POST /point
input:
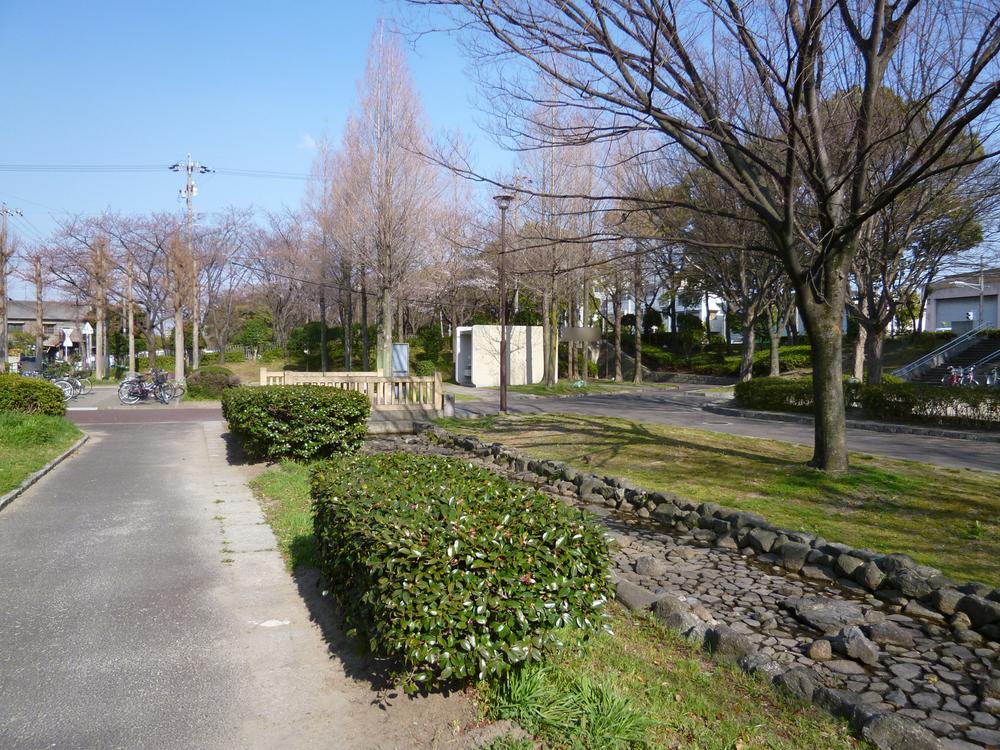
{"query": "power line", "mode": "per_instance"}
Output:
(143, 168)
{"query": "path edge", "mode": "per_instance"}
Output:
(7, 499)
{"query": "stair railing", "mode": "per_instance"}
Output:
(988, 359)
(939, 355)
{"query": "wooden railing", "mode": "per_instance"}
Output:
(383, 392)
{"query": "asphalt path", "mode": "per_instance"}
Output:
(682, 406)
(143, 605)
(102, 407)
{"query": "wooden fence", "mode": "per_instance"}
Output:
(384, 393)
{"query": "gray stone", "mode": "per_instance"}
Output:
(820, 650)
(684, 622)
(818, 573)
(926, 701)
(905, 670)
(760, 664)
(761, 539)
(846, 565)
(826, 615)
(909, 583)
(634, 597)
(891, 563)
(725, 642)
(980, 611)
(853, 643)
(889, 633)
(793, 556)
(890, 731)
(800, 681)
(726, 541)
(845, 667)
(651, 566)
(990, 688)
(869, 575)
(840, 703)
(988, 737)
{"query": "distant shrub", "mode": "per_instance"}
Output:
(210, 381)
(30, 396)
(451, 569)
(424, 367)
(297, 421)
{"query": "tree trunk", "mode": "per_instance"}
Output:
(747, 350)
(347, 321)
(100, 363)
(774, 337)
(546, 325)
(823, 324)
(858, 363)
(39, 313)
(553, 342)
(873, 355)
(637, 296)
(616, 302)
(3, 302)
(365, 343)
(324, 354)
(195, 314)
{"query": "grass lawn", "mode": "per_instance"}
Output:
(643, 678)
(28, 442)
(949, 518)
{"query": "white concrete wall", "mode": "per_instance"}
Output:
(524, 355)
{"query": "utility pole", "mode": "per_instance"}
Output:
(503, 203)
(188, 193)
(5, 255)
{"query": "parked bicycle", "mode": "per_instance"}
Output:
(969, 376)
(70, 387)
(954, 376)
(993, 379)
(136, 388)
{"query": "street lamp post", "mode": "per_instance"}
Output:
(503, 202)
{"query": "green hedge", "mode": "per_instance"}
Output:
(30, 396)
(890, 401)
(297, 421)
(424, 368)
(211, 382)
(452, 570)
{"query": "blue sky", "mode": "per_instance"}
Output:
(242, 85)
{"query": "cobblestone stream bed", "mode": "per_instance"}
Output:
(831, 641)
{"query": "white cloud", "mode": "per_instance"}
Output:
(307, 142)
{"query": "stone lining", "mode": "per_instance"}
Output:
(908, 656)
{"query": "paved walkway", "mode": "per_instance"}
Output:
(144, 606)
(682, 407)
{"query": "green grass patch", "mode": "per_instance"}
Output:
(589, 388)
(28, 442)
(945, 517)
(283, 492)
(645, 686)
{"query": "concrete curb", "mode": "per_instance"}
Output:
(7, 499)
(857, 424)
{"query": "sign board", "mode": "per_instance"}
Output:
(87, 330)
(67, 341)
(400, 360)
(588, 334)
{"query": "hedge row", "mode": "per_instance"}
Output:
(297, 421)
(30, 396)
(452, 570)
(891, 402)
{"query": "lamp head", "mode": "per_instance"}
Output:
(503, 200)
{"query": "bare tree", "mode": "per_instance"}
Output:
(743, 90)
(7, 249)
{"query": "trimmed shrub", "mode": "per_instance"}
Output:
(424, 368)
(891, 401)
(454, 571)
(30, 396)
(210, 381)
(297, 421)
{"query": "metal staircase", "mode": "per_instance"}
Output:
(961, 351)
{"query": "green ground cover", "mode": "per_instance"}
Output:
(589, 388)
(647, 687)
(946, 517)
(28, 442)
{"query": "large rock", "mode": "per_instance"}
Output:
(826, 615)
(891, 634)
(895, 732)
(634, 597)
(675, 613)
(800, 681)
(761, 540)
(891, 563)
(840, 703)
(944, 600)
(869, 575)
(852, 643)
(793, 556)
(909, 583)
(652, 567)
(980, 611)
(761, 665)
(726, 643)
(845, 565)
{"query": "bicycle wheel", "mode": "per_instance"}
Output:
(178, 390)
(66, 387)
(77, 387)
(127, 394)
(163, 394)
(86, 386)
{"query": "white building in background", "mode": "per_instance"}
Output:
(957, 299)
(477, 355)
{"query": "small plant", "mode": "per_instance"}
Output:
(210, 382)
(454, 571)
(297, 421)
